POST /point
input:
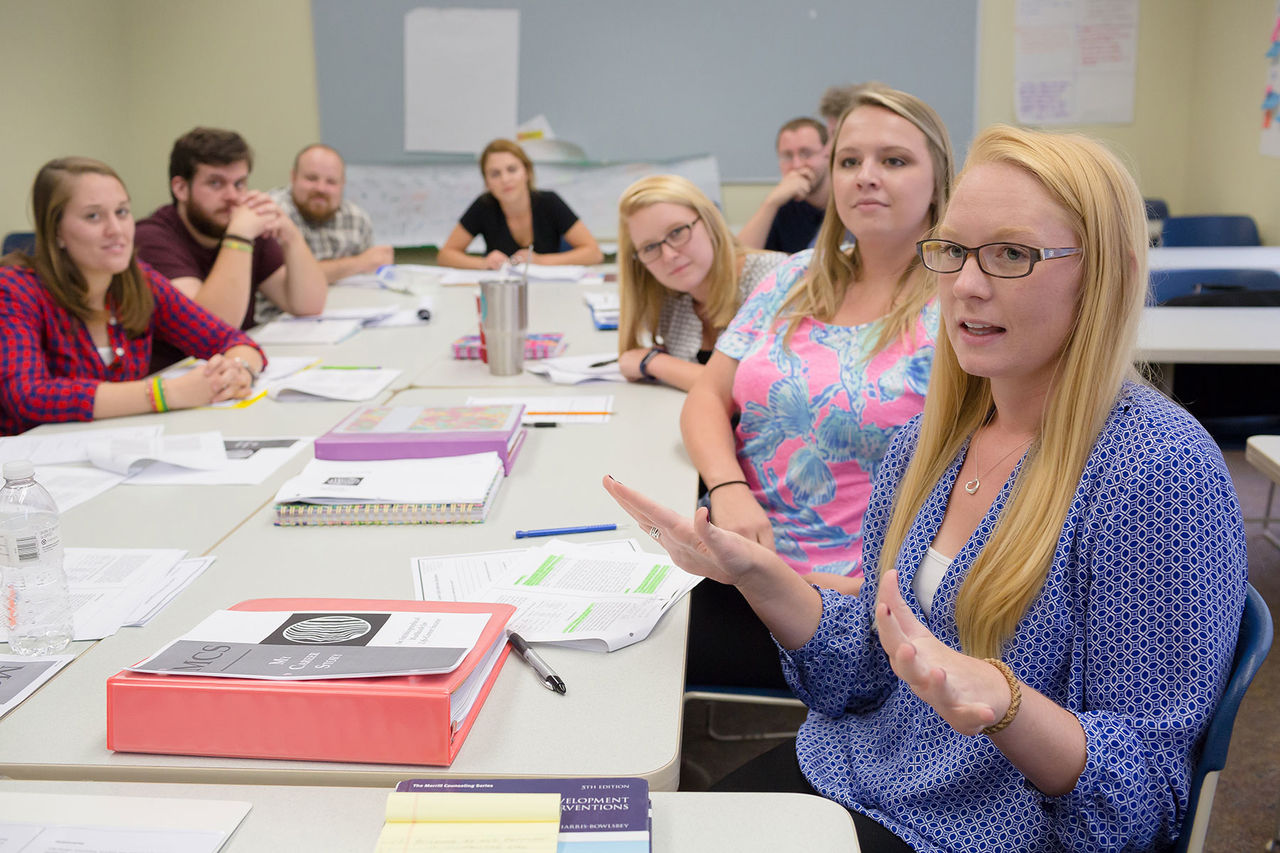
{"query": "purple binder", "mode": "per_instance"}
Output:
(424, 432)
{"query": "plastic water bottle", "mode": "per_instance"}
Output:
(34, 601)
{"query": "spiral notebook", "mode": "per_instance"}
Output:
(443, 490)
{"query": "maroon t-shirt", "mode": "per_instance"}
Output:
(165, 243)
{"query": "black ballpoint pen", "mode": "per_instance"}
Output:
(603, 363)
(546, 673)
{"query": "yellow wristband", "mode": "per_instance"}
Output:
(158, 390)
(237, 243)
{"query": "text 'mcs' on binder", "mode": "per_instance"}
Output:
(423, 432)
(404, 719)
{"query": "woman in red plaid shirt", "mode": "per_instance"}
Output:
(78, 318)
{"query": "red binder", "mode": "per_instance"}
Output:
(394, 720)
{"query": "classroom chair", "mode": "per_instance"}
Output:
(1172, 284)
(1251, 651)
(713, 694)
(1209, 231)
(19, 240)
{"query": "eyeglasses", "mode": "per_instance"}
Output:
(1001, 260)
(676, 237)
(802, 154)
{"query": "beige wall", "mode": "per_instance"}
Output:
(120, 79)
(66, 92)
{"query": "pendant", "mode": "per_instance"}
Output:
(972, 486)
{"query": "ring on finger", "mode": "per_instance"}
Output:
(655, 532)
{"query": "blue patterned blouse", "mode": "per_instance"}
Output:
(1133, 633)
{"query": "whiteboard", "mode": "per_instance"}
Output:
(448, 111)
(659, 79)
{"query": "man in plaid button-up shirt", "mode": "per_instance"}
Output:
(338, 231)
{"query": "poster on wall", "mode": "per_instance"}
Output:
(1075, 61)
(460, 78)
(1269, 144)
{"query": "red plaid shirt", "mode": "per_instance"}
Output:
(49, 367)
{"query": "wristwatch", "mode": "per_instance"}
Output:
(644, 363)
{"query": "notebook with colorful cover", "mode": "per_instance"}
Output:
(422, 432)
(596, 815)
(403, 719)
(391, 491)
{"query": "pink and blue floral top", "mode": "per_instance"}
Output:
(817, 417)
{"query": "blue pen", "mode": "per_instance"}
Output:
(556, 531)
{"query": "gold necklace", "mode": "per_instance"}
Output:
(972, 486)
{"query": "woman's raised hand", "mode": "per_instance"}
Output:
(969, 693)
(696, 545)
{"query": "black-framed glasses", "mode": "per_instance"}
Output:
(676, 237)
(1001, 260)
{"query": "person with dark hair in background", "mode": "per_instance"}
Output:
(220, 242)
(791, 214)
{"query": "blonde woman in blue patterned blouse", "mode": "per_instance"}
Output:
(1056, 549)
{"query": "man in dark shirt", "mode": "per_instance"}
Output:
(219, 242)
(791, 214)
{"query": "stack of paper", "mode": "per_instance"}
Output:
(306, 330)
(114, 587)
(588, 597)
(250, 460)
(560, 410)
(334, 382)
(575, 369)
(534, 272)
(391, 491)
(85, 822)
(605, 309)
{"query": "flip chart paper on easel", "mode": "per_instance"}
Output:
(460, 78)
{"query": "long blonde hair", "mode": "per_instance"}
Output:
(831, 272)
(641, 294)
(1102, 202)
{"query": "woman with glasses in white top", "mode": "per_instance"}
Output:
(1055, 557)
(682, 276)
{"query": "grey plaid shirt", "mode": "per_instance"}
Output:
(349, 232)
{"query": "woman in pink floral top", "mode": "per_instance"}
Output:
(831, 355)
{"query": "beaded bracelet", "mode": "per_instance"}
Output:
(151, 397)
(157, 395)
(727, 483)
(1015, 697)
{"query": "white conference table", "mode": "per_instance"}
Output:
(323, 819)
(1209, 335)
(1214, 257)
(621, 717)
(1263, 453)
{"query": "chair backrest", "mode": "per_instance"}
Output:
(1251, 651)
(1169, 284)
(15, 240)
(1209, 231)
(1157, 208)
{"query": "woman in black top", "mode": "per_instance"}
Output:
(516, 220)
